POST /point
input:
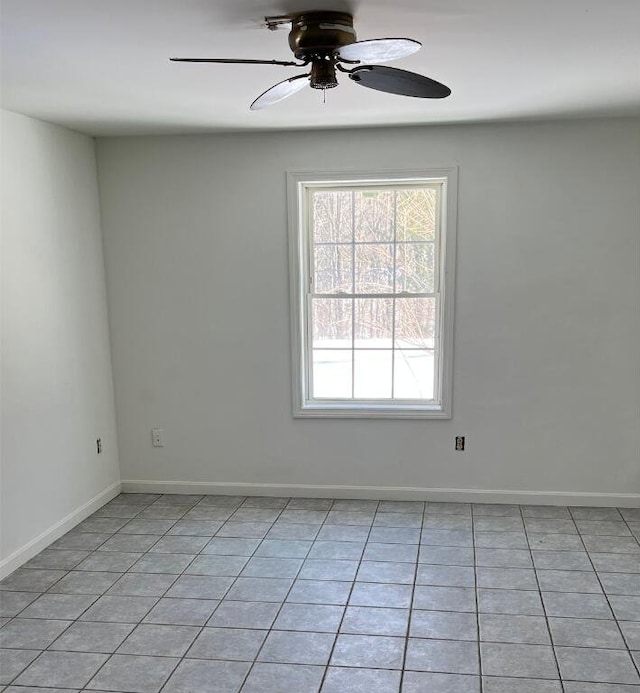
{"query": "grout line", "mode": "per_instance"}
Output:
(346, 604)
(413, 590)
(475, 585)
(544, 608)
(301, 632)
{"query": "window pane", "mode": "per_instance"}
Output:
(415, 265)
(333, 269)
(373, 253)
(415, 323)
(373, 323)
(372, 374)
(414, 373)
(332, 217)
(332, 324)
(374, 268)
(416, 214)
(374, 215)
(332, 373)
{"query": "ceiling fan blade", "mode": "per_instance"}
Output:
(235, 61)
(280, 91)
(396, 81)
(378, 50)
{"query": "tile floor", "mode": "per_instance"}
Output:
(220, 594)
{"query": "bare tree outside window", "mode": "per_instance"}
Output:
(374, 292)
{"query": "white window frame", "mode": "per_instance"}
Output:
(298, 185)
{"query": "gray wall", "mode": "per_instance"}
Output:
(57, 384)
(546, 378)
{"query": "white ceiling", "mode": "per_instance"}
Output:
(101, 66)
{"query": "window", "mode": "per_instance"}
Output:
(372, 281)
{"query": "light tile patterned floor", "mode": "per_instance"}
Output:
(220, 594)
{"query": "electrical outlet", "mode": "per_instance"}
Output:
(99, 445)
(157, 437)
(460, 443)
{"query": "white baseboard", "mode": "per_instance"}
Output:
(30, 549)
(457, 495)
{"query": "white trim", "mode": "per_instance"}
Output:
(457, 495)
(33, 547)
(334, 410)
(299, 271)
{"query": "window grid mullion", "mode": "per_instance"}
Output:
(340, 243)
(433, 294)
(353, 289)
(418, 348)
(310, 265)
(393, 300)
(437, 286)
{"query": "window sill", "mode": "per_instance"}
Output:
(333, 410)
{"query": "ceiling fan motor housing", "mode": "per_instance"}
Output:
(319, 34)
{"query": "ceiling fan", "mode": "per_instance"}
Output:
(326, 41)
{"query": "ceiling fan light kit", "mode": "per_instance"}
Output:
(326, 41)
(323, 74)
